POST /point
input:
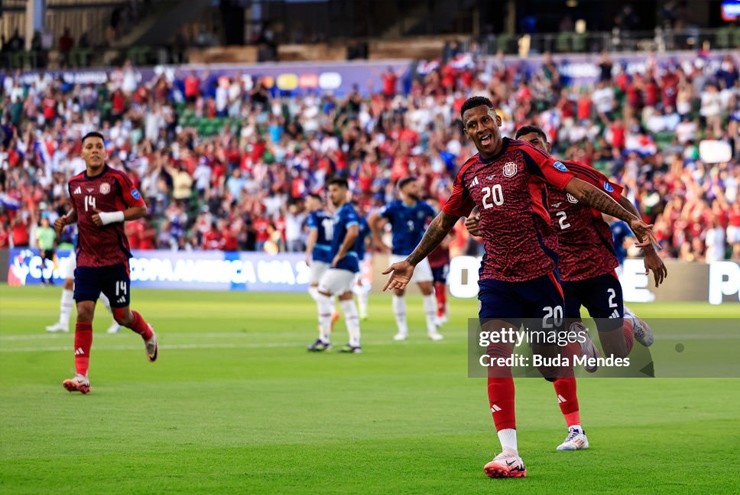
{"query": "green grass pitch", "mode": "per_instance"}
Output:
(236, 405)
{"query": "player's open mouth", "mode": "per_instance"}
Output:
(486, 139)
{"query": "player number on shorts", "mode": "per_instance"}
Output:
(612, 296)
(494, 193)
(553, 316)
(121, 288)
(563, 216)
(90, 203)
(328, 225)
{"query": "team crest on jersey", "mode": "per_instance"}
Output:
(560, 166)
(104, 188)
(608, 187)
(135, 194)
(510, 169)
(570, 198)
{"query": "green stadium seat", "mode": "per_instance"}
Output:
(563, 43)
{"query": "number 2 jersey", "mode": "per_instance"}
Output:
(511, 194)
(585, 244)
(110, 191)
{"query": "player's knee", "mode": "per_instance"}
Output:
(121, 315)
(69, 284)
(399, 292)
(85, 311)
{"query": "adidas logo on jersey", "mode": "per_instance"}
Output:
(614, 315)
(555, 205)
(77, 191)
(474, 182)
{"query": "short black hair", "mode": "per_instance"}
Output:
(474, 101)
(405, 180)
(92, 134)
(315, 196)
(527, 129)
(339, 181)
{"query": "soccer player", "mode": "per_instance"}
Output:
(518, 278)
(339, 278)
(45, 240)
(318, 244)
(586, 261)
(439, 261)
(102, 199)
(65, 306)
(408, 217)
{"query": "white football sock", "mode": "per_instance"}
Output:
(430, 311)
(352, 320)
(362, 297)
(399, 311)
(507, 437)
(65, 307)
(325, 310)
(313, 291)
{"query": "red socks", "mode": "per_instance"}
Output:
(501, 400)
(83, 342)
(440, 291)
(565, 388)
(140, 326)
(629, 335)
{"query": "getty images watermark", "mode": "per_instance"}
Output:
(530, 347)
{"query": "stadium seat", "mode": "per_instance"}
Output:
(563, 42)
(503, 41)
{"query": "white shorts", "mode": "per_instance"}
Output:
(67, 269)
(317, 271)
(336, 281)
(422, 272)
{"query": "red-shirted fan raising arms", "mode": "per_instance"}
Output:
(506, 180)
(102, 199)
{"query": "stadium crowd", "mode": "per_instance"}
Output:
(224, 164)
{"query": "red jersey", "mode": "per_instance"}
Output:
(585, 243)
(510, 192)
(110, 191)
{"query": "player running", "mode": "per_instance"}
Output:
(518, 277)
(102, 199)
(408, 217)
(339, 278)
(587, 262)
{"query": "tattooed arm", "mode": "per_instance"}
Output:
(402, 271)
(598, 199)
(652, 261)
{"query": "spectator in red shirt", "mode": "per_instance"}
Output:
(390, 79)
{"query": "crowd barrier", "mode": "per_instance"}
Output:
(717, 282)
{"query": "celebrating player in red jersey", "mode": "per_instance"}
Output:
(507, 181)
(102, 199)
(586, 262)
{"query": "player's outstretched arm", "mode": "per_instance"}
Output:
(598, 199)
(652, 261)
(402, 271)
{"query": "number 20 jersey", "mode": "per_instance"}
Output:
(110, 191)
(511, 194)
